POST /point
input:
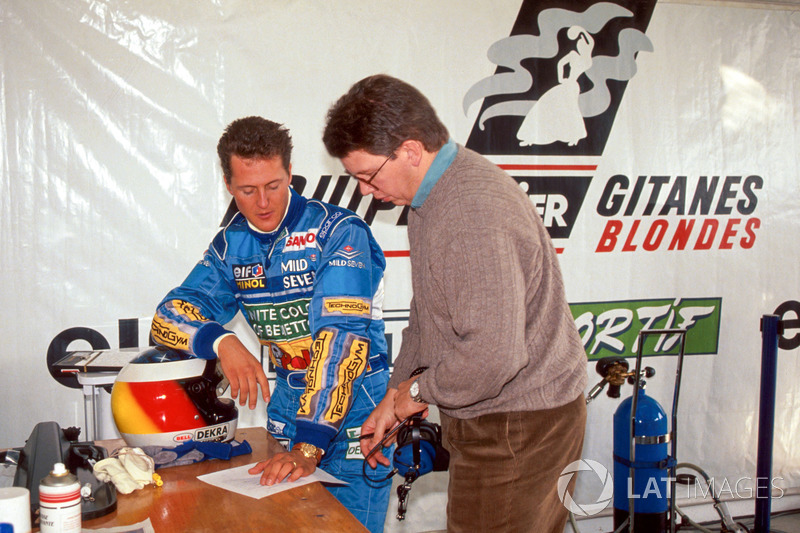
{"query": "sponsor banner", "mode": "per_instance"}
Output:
(677, 214)
(612, 328)
(560, 78)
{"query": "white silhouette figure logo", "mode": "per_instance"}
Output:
(556, 116)
(559, 115)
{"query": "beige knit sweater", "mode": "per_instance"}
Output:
(488, 315)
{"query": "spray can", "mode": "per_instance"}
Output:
(60, 502)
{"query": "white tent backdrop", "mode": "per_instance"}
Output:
(111, 190)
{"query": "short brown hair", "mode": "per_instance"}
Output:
(254, 138)
(377, 115)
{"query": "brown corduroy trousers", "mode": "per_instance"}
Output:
(504, 468)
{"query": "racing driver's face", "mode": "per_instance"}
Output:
(260, 188)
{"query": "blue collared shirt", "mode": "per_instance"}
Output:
(440, 163)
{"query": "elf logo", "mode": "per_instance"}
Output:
(249, 277)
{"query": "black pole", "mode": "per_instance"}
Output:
(766, 421)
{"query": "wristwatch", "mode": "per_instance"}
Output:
(413, 390)
(309, 450)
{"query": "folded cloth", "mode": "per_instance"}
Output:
(194, 452)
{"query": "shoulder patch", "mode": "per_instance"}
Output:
(334, 215)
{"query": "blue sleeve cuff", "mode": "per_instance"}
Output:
(316, 434)
(203, 343)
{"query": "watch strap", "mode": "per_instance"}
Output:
(415, 395)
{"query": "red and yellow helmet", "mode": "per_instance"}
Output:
(165, 397)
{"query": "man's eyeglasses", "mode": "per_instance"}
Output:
(368, 181)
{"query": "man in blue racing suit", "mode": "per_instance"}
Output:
(308, 277)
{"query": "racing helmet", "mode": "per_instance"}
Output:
(165, 397)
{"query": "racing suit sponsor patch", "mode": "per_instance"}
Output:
(346, 307)
(176, 334)
(354, 452)
(275, 427)
(185, 309)
(279, 321)
(328, 224)
(321, 350)
(169, 334)
(346, 263)
(348, 252)
(301, 240)
(354, 446)
(356, 349)
(292, 355)
(249, 277)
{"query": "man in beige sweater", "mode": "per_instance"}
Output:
(491, 340)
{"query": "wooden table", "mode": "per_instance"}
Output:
(184, 503)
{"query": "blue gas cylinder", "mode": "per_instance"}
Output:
(649, 489)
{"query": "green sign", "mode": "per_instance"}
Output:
(612, 328)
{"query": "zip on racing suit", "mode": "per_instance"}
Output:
(312, 291)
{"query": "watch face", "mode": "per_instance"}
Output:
(414, 390)
(309, 450)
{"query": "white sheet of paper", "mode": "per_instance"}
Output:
(238, 480)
